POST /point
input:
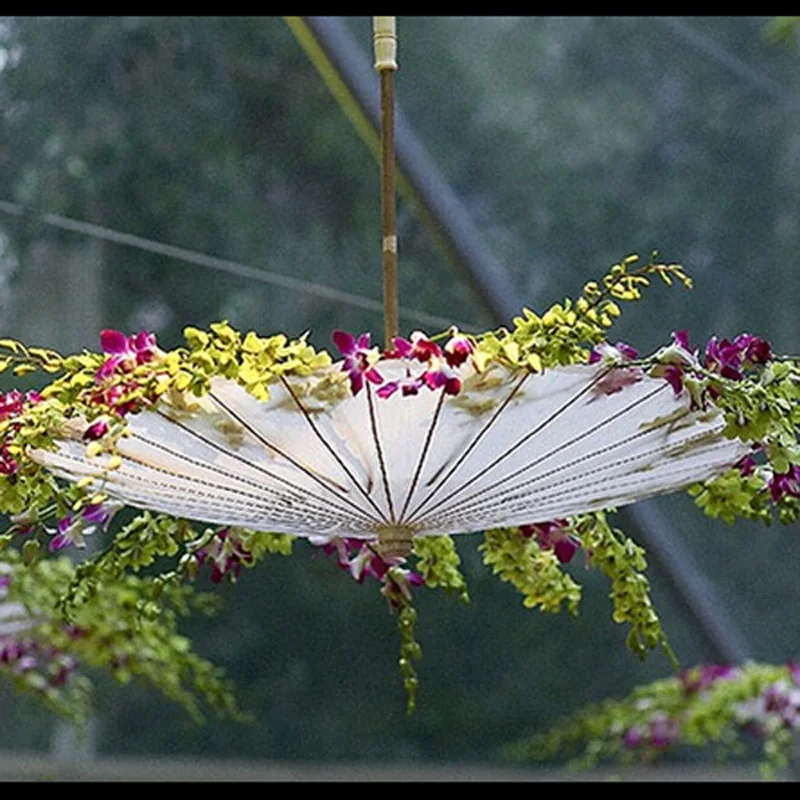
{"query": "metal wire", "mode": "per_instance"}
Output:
(223, 265)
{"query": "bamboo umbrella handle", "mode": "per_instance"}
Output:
(385, 45)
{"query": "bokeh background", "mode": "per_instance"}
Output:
(569, 143)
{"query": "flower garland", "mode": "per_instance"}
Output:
(711, 704)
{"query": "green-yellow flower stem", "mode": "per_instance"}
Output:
(386, 64)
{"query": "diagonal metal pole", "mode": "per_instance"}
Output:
(436, 202)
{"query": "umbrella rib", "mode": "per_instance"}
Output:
(559, 507)
(301, 492)
(513, 448)
(164, 471)
(654, 451)
(525, 438)
(211, 443)
(245, 424)
(168, 493)
(381, 461)
(330, 449)
(517, 386)
(423, 455)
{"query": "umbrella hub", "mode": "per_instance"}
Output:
(395, 541)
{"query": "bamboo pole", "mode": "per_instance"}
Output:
(385, 44)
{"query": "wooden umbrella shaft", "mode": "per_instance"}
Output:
(386, 64)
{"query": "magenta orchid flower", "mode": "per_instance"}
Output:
(440, 373)
(361, 561)
(457, 350)
(226, 554)
(420, 347)
(700, 678)
(618, 353)
(359, 359)
(407, 386)
(443, 377)
(125, 352)
(785, 483)
(8, 464)
(554, 536)
(12, 404)
(97, 430)
(71, 529)
(675, 360)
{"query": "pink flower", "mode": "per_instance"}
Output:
(725, 358)
(420, 347)
(71, 529)
(140, 347)
(443, 377)
(68, 532)
(755, 350)
(125, 352)
(226, 554)
(746, 465)
(407, 386)
(663, 731)
(783, 483)
(675, 361)
(554, 536)
(700, 678)
(616, 380)
(457, 350)
(359, 359)
(8, 464)
(633, 738)
(12, 403)
(360, 560)
(96, 430)
(618, 353)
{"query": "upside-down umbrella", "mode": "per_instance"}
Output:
(510, 448)
(419, 443)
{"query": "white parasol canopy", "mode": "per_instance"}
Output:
(512, 447)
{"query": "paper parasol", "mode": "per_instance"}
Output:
(511, 448)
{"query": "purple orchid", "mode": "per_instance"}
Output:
(633, 738)
(746, 465)
(675, 360)
(754, 349)
(71, 529)
(125, 352)
(407, 386)
(457, 350)
(8, 464)
(725, 358)
(360, 560)
(785, 483)
(443, 377)
(700, 678)
(420, 347)
(359, 359)
(663, 731)
(226, 554)
(618, 353)
(554, 536)
(97, 430)
(12, 403)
